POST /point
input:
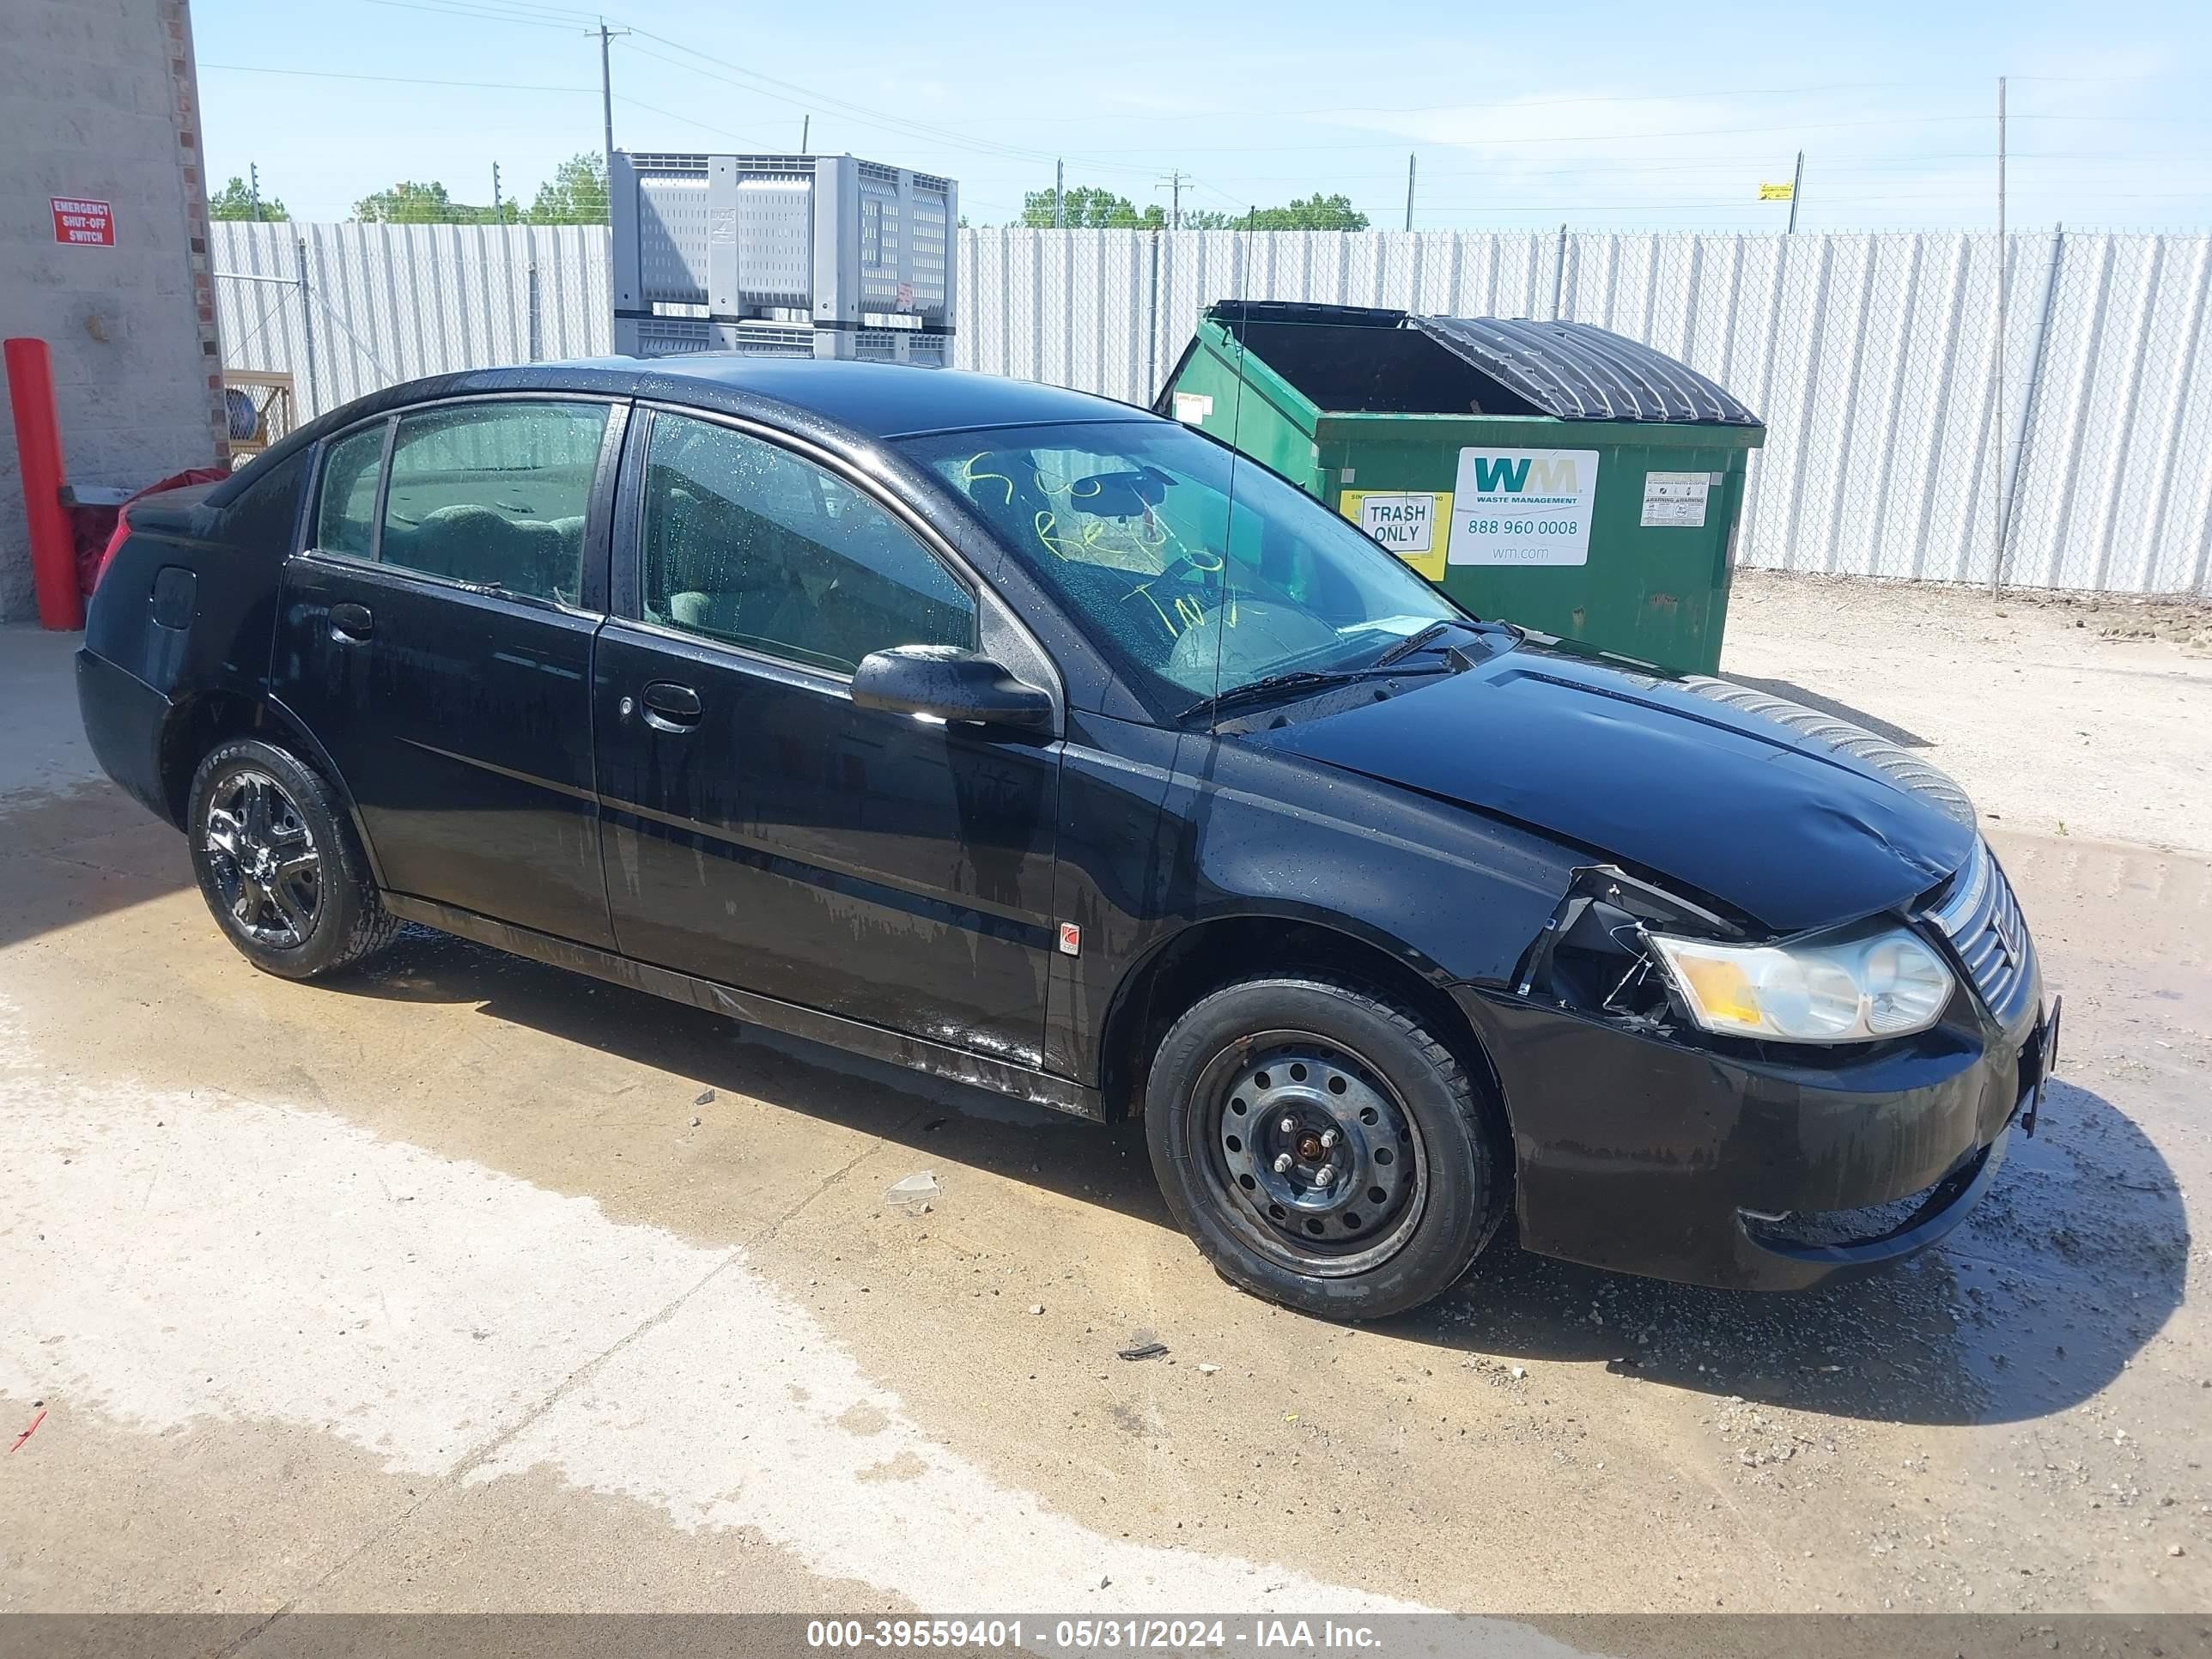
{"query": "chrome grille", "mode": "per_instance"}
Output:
(1982, 919)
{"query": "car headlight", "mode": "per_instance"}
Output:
(1829, 988)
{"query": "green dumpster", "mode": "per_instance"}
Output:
(1555, 475)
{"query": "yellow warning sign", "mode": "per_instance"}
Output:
(1414, 524)
(1776, 193)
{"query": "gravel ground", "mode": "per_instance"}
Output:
(2060, 716)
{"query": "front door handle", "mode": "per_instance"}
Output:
(669, 707)
(352, 624)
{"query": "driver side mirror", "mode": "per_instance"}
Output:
(947, 683)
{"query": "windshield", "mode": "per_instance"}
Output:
(1130, 523)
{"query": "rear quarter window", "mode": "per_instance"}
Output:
(265, 516)
(345, 517)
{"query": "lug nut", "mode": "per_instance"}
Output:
(1328, 1137)
(1282, 1163)
(1324, 1175)
(1288, 1125)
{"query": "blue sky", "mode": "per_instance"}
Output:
(1643, 115)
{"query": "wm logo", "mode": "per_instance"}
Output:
(1495, 475)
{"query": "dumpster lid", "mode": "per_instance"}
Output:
(1580, 372)
(1571, 371)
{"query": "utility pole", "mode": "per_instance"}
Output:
(806, 126)
(1797, 190)
(607, 96)
(1060, 196)
(2004, 312)
(1173, 183)
(1409, 190)
(498, 207)
(253, 188)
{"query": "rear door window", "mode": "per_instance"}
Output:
(495, 494)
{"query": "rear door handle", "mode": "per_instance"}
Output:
(352, 624)
(669, 707)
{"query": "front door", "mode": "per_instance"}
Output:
(763, 831)
(436, 639)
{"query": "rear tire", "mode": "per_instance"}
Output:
(1323, 1149)
(279, 865)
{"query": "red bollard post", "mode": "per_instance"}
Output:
(39, 454)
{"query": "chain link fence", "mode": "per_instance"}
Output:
(348, 308)
(1905, 439)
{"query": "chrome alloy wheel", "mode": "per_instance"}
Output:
(1315, 1159)
(264, 859)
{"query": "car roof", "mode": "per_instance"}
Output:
(869, 400)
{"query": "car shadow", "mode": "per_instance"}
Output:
(944, 1120)
(78, 852)
(1827, 705)
(2072, 1262)
(2074, 1259)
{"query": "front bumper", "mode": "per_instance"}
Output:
(1754, 1167)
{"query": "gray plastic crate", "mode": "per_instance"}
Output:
(668, 336)
(827, 241)
(680, 335)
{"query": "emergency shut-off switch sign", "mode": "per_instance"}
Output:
(82, 222)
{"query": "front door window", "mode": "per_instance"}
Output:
(749, 543)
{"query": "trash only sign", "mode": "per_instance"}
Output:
(1524, 506)
(1411, 524)
(81, 223)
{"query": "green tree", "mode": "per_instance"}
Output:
(235, 201)
(1090, 207)
(576, 194)
(1315, 212)
(409, 202)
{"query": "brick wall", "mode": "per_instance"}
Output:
(99, 99)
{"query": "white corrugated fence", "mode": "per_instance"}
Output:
(1872, 358)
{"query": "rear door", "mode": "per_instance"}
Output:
(763, 831)
(436, 638)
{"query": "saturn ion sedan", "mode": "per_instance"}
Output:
(1030, 740)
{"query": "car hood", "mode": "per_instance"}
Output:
(1718, 801)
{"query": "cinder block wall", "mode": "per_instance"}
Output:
(99, 99)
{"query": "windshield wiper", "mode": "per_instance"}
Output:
(1421, 638)
(1276, 686)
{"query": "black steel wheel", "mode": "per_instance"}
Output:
(1323, 1148)
(1309, 1151)
(279, 865)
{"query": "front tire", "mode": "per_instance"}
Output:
(278, 864)
(1323, 1148)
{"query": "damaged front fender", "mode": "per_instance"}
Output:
(1593, 953)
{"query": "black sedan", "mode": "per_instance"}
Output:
(1031, 740)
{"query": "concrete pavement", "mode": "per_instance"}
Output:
(424, 1291)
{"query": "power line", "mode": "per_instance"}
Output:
(393, 79)
(1888, 122)
(746, 139)
(456, 10)
(698, 61)
(1503, 104)
(748, 80)
(801, 98)
(1734, 160)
